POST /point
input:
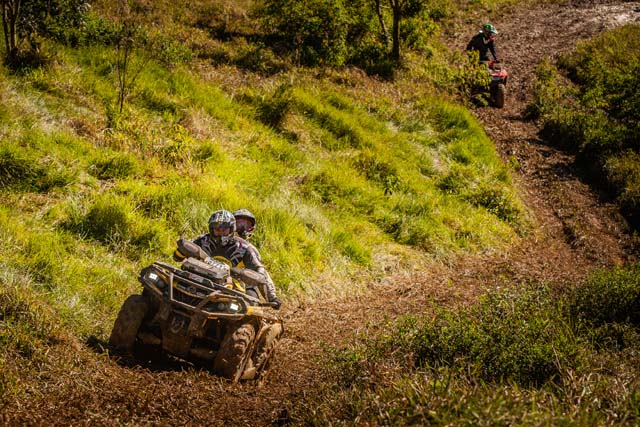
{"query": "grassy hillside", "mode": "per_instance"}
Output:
(344, 176)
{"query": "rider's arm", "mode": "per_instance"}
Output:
(253, 261)
(492, 48)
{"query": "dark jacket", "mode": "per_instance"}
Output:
(483, 45)
(239, 251)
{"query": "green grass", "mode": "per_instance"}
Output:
(531, 355)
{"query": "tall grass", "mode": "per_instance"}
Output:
(532, 355)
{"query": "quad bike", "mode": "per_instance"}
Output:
(202, 313)
(498, 85)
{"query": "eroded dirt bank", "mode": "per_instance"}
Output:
(578, 230)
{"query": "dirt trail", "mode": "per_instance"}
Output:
(578, 231)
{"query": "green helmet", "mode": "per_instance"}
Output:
(489, 28)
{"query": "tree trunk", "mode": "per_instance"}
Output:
(385, 33)
(10, 14)
(396, 6)
(5, 26)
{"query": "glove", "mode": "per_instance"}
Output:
(275, 303)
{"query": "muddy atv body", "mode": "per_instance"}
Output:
(200, 313)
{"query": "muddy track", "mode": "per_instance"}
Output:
(577, 230)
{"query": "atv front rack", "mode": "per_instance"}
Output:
(195, 293)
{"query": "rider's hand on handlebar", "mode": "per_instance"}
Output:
(275, 303)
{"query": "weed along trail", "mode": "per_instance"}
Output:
(576, 230)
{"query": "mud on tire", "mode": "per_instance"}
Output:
(498, 93)
(128, 322)
(265, 347)
(234, 351)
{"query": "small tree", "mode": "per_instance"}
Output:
(31, 19)
(127, 39)
(10, 16)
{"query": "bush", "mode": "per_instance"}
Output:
(498, 201)
(515, 357)
(608, 297)
(111, 220)
(108, 220)
(273, 109)
(511, 336)
(314, 31)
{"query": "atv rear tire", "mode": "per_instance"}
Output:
(265, 347)
(234, 351)
(128, 322)
(498, 93)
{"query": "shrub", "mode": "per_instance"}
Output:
(315, 31)
(608, 297)
(27, 325)
(108, 220)
(594, 109)
(273, 109)
(111, 220)
(377, 170)
(511, 336)
(623, 171)
(498, 201)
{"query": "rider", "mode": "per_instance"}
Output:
(484, 42)
(221, 242)
(245, 223)
(245, 226)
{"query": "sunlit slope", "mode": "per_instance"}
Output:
(339, 185)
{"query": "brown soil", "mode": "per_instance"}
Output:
(577, 230)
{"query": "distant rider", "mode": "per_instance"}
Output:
(221, 242)
(484, 42)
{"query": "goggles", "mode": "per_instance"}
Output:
(245, 224)
(221, 228)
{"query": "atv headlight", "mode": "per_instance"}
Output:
(234, 307)
(156, 279)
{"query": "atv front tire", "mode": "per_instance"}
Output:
(234, 351)
(128, 322)
(265, 347)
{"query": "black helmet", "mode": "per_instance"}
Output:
(245, 223)
(222, 225)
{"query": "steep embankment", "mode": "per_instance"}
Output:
(578, 231)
